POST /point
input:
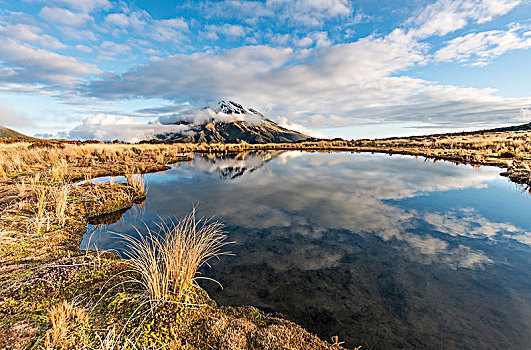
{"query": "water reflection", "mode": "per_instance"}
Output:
(233, 165)
(386, 252)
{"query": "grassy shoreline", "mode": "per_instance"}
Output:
(45, 279)
(54, 296)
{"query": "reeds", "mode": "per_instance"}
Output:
(137, 181)
(168, 261)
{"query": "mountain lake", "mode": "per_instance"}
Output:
(383, 251)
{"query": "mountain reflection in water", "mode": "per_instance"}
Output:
(385, 252)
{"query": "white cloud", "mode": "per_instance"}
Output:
(13, 118)
(29, 33)
(57, 15)
(328, 7)
(118, 19)
(177, 23)
(524, 115)
(233, 30)
(109, 50)
(83, 6)
(84, 49)
(108, 127)
(305, 42)
(351, 83)
(205, 115)
(310, 13)
(143, 25)
(446, 16)
(288, 124)
(479, 49)
(82, 35)
(31, 65)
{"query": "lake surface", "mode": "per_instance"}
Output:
(385, 252)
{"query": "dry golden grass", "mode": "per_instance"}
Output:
(59, 171)
(35, 178)
(137, 181)
(64, 317)
(61, 199)
(168, 261)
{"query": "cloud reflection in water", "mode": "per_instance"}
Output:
(331, 241)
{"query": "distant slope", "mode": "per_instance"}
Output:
(235, 132)
(522, 127)
(230, 122)
(514, 128)
(6, 133)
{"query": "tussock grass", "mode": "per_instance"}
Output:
(64, 317)
(59, 171)
(61, 199)
(168, 261)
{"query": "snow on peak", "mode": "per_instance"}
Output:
(230, 107)
(223, 112)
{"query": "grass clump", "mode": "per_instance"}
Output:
(168, 261)
(64, 318)
(137, 181)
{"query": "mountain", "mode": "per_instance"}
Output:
(229, 122)
(6, 133)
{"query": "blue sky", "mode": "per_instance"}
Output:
(110, 69)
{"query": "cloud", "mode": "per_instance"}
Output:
(206, 115)
(524, 115)
(108, 127)
(57, 15)
(226, 29)
(82, 35)
(33, 34)
(13, 118)
(345, 84)
(309, 13)
(478, 49)
(165, 109)
(82, 6)
(288, 124)
(33, 66)
(143, 25)
(109, 50)
(84, 49)
(446, 16)
(327, 7)
(118, 19)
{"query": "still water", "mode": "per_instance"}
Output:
(385, 252)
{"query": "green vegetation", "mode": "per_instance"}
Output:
(6, 133)
(54, 296)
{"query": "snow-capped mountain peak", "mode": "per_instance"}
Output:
(230, 107)
(227, 121)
